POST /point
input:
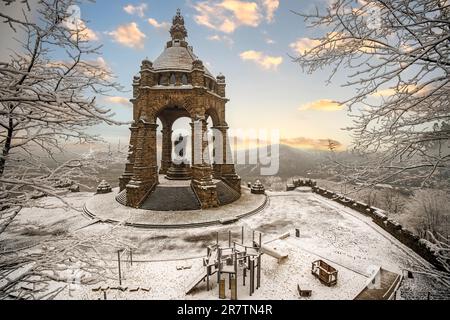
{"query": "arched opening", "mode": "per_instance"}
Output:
(182, 150)
(211, 142)
(184, 79)
(175, 142)
(159, 142)
(162, 80)
(215, 139)
(173, 79)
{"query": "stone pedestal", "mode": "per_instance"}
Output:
(204, 187)
(104, 187)
(128, 174)
(258, 188)
(226, 172)
(180, 171)
(223, 167)
(202, 182)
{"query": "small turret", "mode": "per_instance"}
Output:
(221, 84)
(197, 64)
(136, 83)
(198, 73)
(146, 64)
(147, 73)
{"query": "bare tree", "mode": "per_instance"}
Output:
(396, 55)
(45, 102)
(46, 269)
(429, 211)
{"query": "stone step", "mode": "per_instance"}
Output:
(226, 194)
(172, 199)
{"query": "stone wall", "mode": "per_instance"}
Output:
(296, 183)
(422, 247)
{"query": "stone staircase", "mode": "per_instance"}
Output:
(383, 286)
(226, 194)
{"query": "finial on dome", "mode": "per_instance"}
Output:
(178, 30)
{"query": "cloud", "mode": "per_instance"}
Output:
(244, 12)
(94, 68)
(270, 41)
(322, 105)
(105, 73)
(338, 42)
(302, 45)
(101, 63)
(265, 61)
(406, 89)
(88, 34)
(308, 143)
(129, 35)
(221, 38)
(227, 15)
(159, 25)
(139, 9)
(119, 100)
(78, 28)
(271, 6)
(384, 93)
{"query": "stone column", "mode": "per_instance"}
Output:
(128, 174)
(219, 149)
(202, 182)
(224, 169)
(166, 156)
(145, 171)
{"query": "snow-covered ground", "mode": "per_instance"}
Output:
(345, 239)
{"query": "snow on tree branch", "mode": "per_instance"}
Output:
(46, 103)
(396, 56)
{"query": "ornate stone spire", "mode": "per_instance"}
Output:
(178, 31)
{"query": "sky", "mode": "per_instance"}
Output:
(250, 41)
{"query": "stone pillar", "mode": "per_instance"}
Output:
(202, 182)
(218, 151)
(148, 76)
(224, 168)
(198, 73)
(166, 156)
(221, 85)
(128, 174)
(145, 170)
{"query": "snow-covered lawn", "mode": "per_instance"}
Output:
(345, 239)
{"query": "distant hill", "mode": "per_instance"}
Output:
(292, 162)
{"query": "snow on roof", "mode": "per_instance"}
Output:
(176, 57)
